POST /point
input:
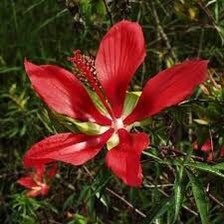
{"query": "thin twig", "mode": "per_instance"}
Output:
(184, 206)
(200, 43)
(108, 12)
(212, 197)
(180, 153)
(68, 185)
(162, 33)
(117, 195)
(126, 202)
(190, 130)
(158, 185)
(207, 12)
(211, 140)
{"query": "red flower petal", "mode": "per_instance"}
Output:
(27, 182)
(124, 159)
(52, 171)
(222, 152)
(36, 180)
(62, 92)
(121, 52)
(33, 193)
(66, 147)
(39, 189)
(207, 146)
(168, 88)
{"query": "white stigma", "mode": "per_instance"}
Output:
(118, 124)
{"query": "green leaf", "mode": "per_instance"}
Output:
(86, 7)
(78, 219)
(219, 166)
(205, 167)
(100, 7)
(9, 69)
(178, 192)
(200, 197)
(51, 19)
(153, 156)
(158, 211)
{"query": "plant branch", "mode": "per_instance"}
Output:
(162, 33)
(118, 196)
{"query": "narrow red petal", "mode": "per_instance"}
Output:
(210, 156)
(33, 193)
(168, 88)
(36, 181)
(52, 171)
(62, 92)
(27, 182)
(222, 152)
(207, 146)
(39, 191)
(124, 159)
(121, 52)
(70, 148)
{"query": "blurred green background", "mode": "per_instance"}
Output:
(46, 32)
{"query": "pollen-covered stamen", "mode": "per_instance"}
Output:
(86, 73)
(90, 65)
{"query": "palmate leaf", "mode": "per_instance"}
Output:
(200, 198)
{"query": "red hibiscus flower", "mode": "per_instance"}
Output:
(121, 52)
(208, 149)
(36, 181)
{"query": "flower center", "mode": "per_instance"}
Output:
(114, 139)
(118, 124)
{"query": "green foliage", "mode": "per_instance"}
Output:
(200, 198)
(180, 185)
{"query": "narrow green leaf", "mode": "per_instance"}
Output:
(200, 198)
(47, 21)
(159, 210)
(9, 69)
(219, 166)
(33, 6)
(178, 191)
(205, 167)
(153, 156)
